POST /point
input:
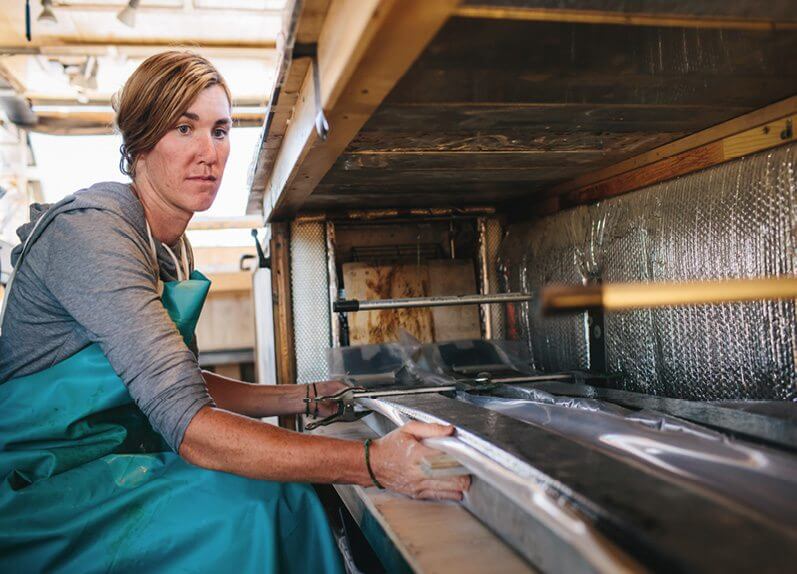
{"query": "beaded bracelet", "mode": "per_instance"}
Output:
(368, 464)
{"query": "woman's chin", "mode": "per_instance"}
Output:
(203, 202)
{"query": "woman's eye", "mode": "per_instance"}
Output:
(219, 133)
(184, 129)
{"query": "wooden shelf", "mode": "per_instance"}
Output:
(525, 110)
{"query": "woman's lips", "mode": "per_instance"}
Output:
(202, 178)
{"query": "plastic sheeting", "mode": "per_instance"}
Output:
(411, 362)
(735, 220)
(760, 479)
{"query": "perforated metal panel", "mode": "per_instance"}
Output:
(310, 293)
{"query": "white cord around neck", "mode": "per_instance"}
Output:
(182, 269)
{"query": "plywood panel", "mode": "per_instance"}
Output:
(364, 281)
(438, 277)
(454, 277)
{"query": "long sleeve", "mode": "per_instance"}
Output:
(100, 270)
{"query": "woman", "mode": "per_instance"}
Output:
(101, 387)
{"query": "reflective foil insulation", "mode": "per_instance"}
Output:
(736, 220)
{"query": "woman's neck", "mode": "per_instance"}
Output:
(166, 221)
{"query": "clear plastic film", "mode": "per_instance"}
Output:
(410, 362)
(736, 220)
(368, 365)
(762, 480)
(472, 356)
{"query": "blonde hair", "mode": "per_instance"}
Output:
(155, 96)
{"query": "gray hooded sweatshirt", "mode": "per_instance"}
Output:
(89, 277)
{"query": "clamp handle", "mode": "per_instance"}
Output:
(345, 305)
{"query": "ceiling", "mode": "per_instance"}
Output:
(57, 67)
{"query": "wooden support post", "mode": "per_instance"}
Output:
(283, 317)
(364, 48)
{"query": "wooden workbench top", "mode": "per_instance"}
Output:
(433, 537)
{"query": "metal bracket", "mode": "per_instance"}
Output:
(597, 340)
(788, 132)
(311, 51)
(262, 260)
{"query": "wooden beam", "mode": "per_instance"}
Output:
(283, 316)
(769, 135)
(622, 18)
(78, 122)
(54, 47)
(213, 223)
(751, 121)
(399, 214)
(303, 22)
(363, 50)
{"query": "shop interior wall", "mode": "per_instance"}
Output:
(735, 220)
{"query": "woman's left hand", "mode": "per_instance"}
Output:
(326, 388)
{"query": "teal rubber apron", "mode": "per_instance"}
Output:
(89, 486)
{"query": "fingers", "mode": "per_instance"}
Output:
(439, 495)
(426, 430)
(454, 483)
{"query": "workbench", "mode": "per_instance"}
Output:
(431, 537)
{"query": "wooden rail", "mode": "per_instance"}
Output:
(625, 296)
(621, 18)
(759, 130)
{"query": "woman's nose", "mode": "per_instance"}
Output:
(207, 150)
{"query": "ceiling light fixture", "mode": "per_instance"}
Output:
(86, 77)
(47, 15)
(128, 15)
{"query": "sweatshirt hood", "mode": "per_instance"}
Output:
(108, 196)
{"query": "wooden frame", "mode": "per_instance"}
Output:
(761, 129)
(621, 18)
(283, 316)
(303, 23)
(363, 49)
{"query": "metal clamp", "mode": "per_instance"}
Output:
(345, 414)
(311, 51)
(346, 399)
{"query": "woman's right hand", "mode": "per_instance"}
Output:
(396, 462)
